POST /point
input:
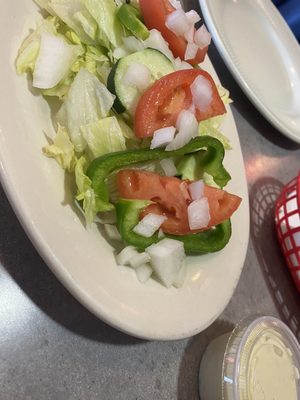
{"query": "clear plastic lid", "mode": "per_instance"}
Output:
(261, 361)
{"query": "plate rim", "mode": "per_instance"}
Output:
(225, 54)
(23, 213)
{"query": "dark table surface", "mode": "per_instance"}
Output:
(53, 348)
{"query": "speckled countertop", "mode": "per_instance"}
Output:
(52, 348)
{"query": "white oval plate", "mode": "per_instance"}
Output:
(262, 53)
(82, 259)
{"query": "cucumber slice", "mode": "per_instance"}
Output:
(126, 95)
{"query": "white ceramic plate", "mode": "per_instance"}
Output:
(82, 259)
(263, 55)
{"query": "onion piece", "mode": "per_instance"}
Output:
(137, 75)
(126, 255)
(202, 37)
(193, 17)
(149, 224)
(166, 259)
(187, 122)
(189, 35)
(138, 260)
(168, 167)
(144, 273)
(198, 214)
(191, 51)
(54, 60)
(162, 137)
(201, 92)
(176, 4)
(178, 23)
(180, 65)
(196, 189)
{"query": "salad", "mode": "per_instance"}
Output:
(138, 126)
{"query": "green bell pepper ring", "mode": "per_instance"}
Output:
(129, 17)
(211, 161)
(209, 241)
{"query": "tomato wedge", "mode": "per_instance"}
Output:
(161, 103)
(171, 198)
(155, 13)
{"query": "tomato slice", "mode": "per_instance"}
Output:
(155, 13)
(171, 198)
(161, 103)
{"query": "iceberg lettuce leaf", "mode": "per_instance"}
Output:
(62, 150)
(103, 136)
(85, 192)
(88, 100)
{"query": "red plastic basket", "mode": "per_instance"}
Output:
(287, 219)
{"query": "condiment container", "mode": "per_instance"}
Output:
(259, 360)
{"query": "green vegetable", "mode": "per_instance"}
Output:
(62, 150)
(212, 154)
(103, 136)
(85, 192)
(88, 101)
(94, 21)
(209, 241)
(129, 17)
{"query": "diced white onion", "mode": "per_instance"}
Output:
(179, 64)
(137, 75)
(202, 37)
(189, 35)
(133, 44)
(54, 60)
(144, 273)
(193, 17)
(166, 260)
(168, 167)
(196, 190)
(201, 93)
(139, 259)
(162, 137)
(178, 23)
(191, 51)
(112, 232)
(126, 255)
(156, 41)
(186, 121)
(187, 126)
(176, 4)
(198, 214)
(149, 224)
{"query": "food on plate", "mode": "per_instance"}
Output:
(137, 127)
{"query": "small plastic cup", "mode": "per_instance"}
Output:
(258, 360)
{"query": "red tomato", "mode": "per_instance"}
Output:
(171, 198)
(161, 103)
(155, 13)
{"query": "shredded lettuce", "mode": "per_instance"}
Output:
(103, 136)
(85, 192)
(30, 47)
(88, 100)
(62, 150)
(210, 127)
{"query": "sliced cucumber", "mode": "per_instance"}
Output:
(126, 95)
